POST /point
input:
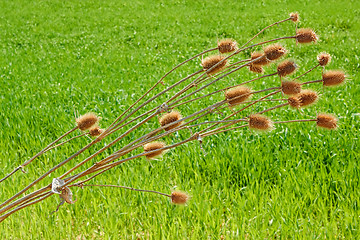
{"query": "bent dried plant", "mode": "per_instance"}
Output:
(234, 110)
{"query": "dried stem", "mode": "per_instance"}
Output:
(37, 155)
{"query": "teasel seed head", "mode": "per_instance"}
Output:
(263, 61)
(153, 146)
(295, 17)
(211, 61)
(326, 121)
(274, 51)
(304, 98)
(95, 131)
(170, 117)
(306, 35)
(290, 87)
(260, 122)
(324, 59)
(307, 97)
(227, 46)
(256, 68)
(86, 121)
(178, 197)
(237, 95)
(294, 102)
(285, 68)
(333, 78)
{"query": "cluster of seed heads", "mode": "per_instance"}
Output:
(236, 98)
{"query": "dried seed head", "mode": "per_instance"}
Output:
(95, 131)
(256, 68)
(294, 102)
(333, 78)
(227, 46)
(211, 61)
(274, 51)
(260, 122)
(307, 97)
(295, 17)
(286, 68)
(304, 98)
(178, 197)
(237, 95)
(262, 61)
(326, 121)
(290, 87)
(324, 59)
(170, 117)
(305, 35)
(153, 146)
(86, 121)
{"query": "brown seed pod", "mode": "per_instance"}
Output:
(274, 51)
(294, 102)
(333, 78)
(263, 61)
(256, 68)
(170, 117)
(237, 95)
(227, 46)
(260, 122)
(153, 146)
(326, 121)
(307, 97)
(95, 131)
(178, 197)
(295, 17)
(290, 87)
(305, 35)
(285, 68)
(86, 121)
(211, 61)
(324, 59)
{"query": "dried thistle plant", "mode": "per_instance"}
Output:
(236, 110)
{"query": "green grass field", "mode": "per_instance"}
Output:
(61, 57)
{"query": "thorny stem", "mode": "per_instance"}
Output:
(307, 72)
(60, 144)
(129, 188)
(38, 154)
(264, 30)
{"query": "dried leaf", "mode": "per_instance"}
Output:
(56, 185)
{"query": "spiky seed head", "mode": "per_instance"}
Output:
(326, 121)
(306, 35)
(295, 17)
(95, 131)
(307, 97)
(324, 59)
(262, 61)
(86, 121)
(274, 51)
(153, 146)
(333, 78)
(294, 102)
(211, 61)
(237, 95)
(256, 68)
(260, 122)
(285, 68)
(170, 117)
(227, 46)
(290, 87)
(178, 197)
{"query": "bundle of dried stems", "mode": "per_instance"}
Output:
(237, 98)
